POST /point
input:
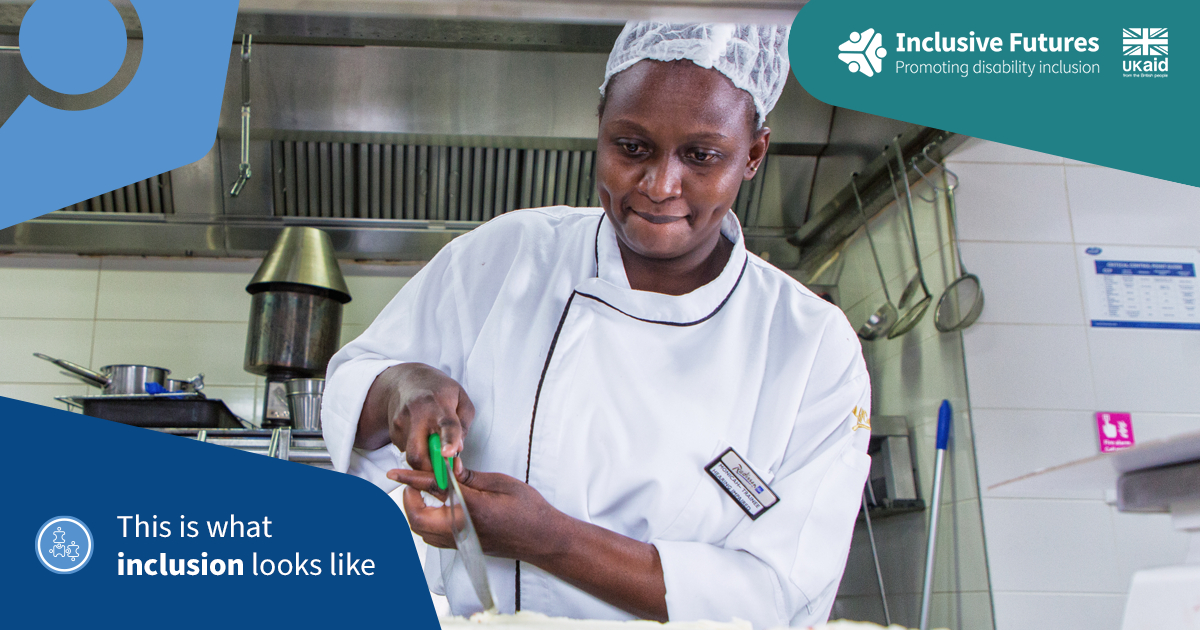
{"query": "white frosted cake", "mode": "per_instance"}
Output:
(535, 621)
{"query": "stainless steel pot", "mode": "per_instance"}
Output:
(114, 379)
(192, 386)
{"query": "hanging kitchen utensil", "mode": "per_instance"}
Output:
(887, 615)
(913, 315)
(466, 542)
(881, 321)
(962, 301)
(825, 266)
(244, 172)
(910, 290)
(943, 437)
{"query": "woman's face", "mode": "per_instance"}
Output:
(675, 143)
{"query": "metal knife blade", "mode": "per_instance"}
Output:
(467, 542)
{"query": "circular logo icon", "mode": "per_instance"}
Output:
(73, 46)
(64, 544)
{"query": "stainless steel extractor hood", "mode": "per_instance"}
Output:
(395, 129)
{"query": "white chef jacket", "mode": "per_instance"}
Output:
(611, 402)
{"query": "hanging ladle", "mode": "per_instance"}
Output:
(881, 321)
(913, 315)
(950, 314)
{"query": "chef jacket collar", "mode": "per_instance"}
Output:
(611, 285)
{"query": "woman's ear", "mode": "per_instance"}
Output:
(758, 152)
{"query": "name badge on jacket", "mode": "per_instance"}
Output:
(741, 483)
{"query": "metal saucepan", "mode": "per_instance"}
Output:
(114, 379)
(190, 386)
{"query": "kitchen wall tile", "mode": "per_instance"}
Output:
(859, 578)
(1014, 442)
(1051, 545)
(168, 290)
(1028, 367)
(61, 339)
(905, 609)
(369, 295)
(961, 610)
(901, 542)
(48, 287)
(854, 273)
(1012, 202)
(1145, 369)
(977, 150)
(961, 561)
(243, 401)
(1022, 611)
(169, 265)
(960, 482)
(1026, 283)
(43, 393)
(858, 608)
(350, 332)
(1146, 541)
(185, 348)
(1116, 207)
(1149, 427)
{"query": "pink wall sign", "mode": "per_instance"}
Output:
(1115, 429)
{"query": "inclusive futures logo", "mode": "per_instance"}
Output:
(863, 52)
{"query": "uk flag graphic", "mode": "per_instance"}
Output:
(1143, 42)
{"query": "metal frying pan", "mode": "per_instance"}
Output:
(913, 315)
(881, 321)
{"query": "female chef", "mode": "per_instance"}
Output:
(652, 421)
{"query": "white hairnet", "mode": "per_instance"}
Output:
(753, 56)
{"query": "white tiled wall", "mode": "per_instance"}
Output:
(910, 376)
(187, 315)
(1037, 374)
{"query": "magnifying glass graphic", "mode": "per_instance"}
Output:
(76, 53)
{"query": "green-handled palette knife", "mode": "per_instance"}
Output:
(466, 540)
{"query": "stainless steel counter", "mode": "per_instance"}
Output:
(305, 447)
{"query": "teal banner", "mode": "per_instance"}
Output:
(1108, 83)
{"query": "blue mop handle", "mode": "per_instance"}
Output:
(943, 438)
(943, 434)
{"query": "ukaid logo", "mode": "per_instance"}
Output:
(863, 52)
(1144, 52)
(64, 544)
(123, 109)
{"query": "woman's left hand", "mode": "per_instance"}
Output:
(512, 519)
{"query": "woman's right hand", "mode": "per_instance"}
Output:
(409, 402)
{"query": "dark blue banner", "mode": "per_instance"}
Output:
(110, 525)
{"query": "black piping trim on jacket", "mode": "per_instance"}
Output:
(596, 251)
(554, 343)
(533, 419)
(653, 321)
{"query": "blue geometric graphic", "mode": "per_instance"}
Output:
(64, 544)
(73, 46)
(165, 118)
